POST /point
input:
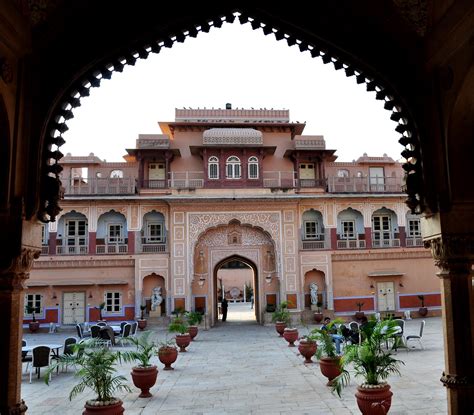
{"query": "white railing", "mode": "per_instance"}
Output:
(98, 186)
(312, 245)
(417, 241)
(364, 184)
(279, 179)
(153, 248)
(44, 250)
(186, 180)
(72, 249)
(385, 243)
(350, 244)
(111, 249)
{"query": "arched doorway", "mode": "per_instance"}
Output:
(231, 277)
(315, 277)
(150, 285)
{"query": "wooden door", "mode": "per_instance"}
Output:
(74, 308)
(385, 296)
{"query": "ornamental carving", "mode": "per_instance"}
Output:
(456, 251)
(456, 381)
(111, 209)
(14, 275)
(218, 256)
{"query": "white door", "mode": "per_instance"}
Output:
(377, 179)
(156, 171)
(74, 308)
(307, 172)
(386, 296)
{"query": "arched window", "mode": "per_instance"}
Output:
(233, 167)
(116, 174)
(253, 167)
(213, 167)
(343, 173)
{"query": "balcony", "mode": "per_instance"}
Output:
(111, 249)
(279, 179)
(186, 180)
(152, 184)
(416, 241)
(98, 186)
(385, 243)
(304, 183)
(351, 244)
(72, 249)
(315, 244)
(364, 185)
(44, 250)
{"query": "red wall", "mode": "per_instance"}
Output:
(349, 304)
(412, 301)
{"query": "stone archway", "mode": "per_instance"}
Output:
(216, 246)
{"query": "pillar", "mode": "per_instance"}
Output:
(453, 255)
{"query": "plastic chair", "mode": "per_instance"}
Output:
(106, 335)
(101, 323)
(41, 358)
(416, 337)
(127, 328)
(25, 357)
(122, 325)
(67, 349)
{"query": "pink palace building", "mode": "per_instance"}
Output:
(231, 186)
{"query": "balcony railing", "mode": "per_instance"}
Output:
(350, 244)
(111, 249)
(152, 184)
(153, 248)
(186, 180)
(313, 245)
(385, 243)
(313, 183)
(417, 241)
(279, 179)
(364, 185)
(72, 249)
(98, 186)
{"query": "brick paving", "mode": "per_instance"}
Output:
(240, 367)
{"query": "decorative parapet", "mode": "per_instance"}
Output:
(232, 136)
(232, 115)
(310, 142)
(158, 141)
(369, 159)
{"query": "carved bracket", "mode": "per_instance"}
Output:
(456, 381)
(452, 251)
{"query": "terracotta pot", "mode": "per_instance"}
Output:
(307, 349)
(359, 315)
(290, 335)
(114, 409)
(318, 317)
(422, 311)
(183, 340)
(168, 356)
(193, 331)
(144, 378)
(374, 401)
(280, 327)
(330, 368)
(33, 326)
(141, 324)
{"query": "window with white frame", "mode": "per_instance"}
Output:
(113, 302)
(116, 174)
(414, 229)
(311, 229)
(233, 170)
(114, 233)
(253, 167)
(343, 173)
(213, 168)
(381, 227)
(348, 229)
(155, 232)
(44, 240)
(76, 232)
(34, 301)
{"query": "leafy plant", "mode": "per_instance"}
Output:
(145, 350)
(319, 304)
(369, 359)
(359, 306)
(97, 370)
(422, 299)
(31, 310)
(142, 312)
(270, 308)
(178, 311)
(326, 345)
(178, 325)
(194, 318)
(248, 291)
(166, 344)
(281, 313)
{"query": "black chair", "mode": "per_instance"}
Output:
(127, 329)
(106, 334)
(95, 330)
(122, 325)
(41, 358)
(101, 323)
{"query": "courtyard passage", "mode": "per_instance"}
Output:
(240, 367)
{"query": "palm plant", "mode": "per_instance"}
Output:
(178, 325)
(281, 313)
(326, 345)
(145, 350)
(194, 318)
(369, 360)
(31, 310)
(97, 371)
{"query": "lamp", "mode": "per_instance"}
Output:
(400, 284)
(268, 278)
(201, 280)
(54, 295)
(90, 294)
(372, 285)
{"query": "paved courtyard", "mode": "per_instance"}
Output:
(240, 367)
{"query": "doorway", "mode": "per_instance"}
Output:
(236, 280)
(74, 307)
(385, 296)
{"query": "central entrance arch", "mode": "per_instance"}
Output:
(217, 287)
(221, 244)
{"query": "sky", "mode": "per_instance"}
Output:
(236, 65)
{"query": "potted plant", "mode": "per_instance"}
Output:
(281, 317)
(101, 307)
(167, 353)
(318, 316)
(144, 374)
(374, 364)
(142, 320)
(33, 324)
(359, 315)
(179, 325)
(329, 361)
(194, 318)
(307, 345)
(96, 372)
(422, 311)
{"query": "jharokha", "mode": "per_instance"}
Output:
(225, 186)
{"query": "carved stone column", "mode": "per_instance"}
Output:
(454, 256)
(12, 278)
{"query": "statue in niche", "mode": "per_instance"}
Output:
(313, 287)
(156, 298)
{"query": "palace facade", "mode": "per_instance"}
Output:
(226, 185)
